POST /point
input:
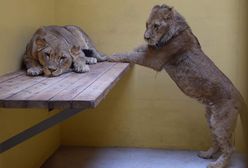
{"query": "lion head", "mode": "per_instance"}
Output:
(161, 25)
(53, 57)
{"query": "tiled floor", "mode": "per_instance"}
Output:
(78, 157)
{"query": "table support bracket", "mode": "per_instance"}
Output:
(38, 128)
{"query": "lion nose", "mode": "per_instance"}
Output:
(147, 36)
(52, 68)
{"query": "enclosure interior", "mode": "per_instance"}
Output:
(145, 109)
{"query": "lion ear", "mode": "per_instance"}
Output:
(156, 7)
(40, 43)
(170, 8)
(172, 12)
(169, 11)
(75, 50)
(167, 7)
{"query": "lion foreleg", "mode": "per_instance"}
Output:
(132, 57)
(99, 56)
(79, 64)
(141, 48)
(33, 66)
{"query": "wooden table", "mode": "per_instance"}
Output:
(72, 92)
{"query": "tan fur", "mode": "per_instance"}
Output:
(53, 50)
(172, 46)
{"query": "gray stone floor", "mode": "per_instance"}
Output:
(78, 157)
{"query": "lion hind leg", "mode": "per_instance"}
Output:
(99, 56)
(227, 149)
(223, 122)
(209, 153)
(91, 60)
(215, 147)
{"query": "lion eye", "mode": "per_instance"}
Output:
(47, 55)
(62, 59)
(156, 26)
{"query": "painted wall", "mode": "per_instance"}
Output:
(146, 109)
(19, 20)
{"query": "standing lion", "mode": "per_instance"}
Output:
(172, 46)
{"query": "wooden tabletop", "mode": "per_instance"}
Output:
(71, 90)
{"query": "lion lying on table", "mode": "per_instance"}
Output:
(54, 50)
(172, 46)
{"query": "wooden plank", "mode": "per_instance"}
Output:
(11, 75)
(20, 99)
(87, 89)
(14, 85)
(98, 90)
(41, 99)
(63, 99)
